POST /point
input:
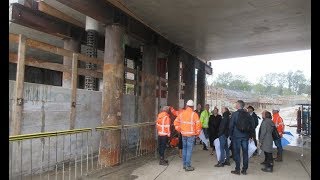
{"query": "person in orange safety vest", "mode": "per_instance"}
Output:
(278, 121)
(189, 125)
(163, 129)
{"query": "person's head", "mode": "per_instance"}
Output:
(215, 111)
(165, 109)
(266, 114)
(275, 110)
(225, 109)
(250, 109)
(207, 107)
(240, 104)
(199, 107)
(190, 104)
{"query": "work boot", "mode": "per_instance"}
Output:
(219, 165)
(264, 163)
(268, 168)
(163, 162)
(227, 163)
(236, 172)
(189, 168)
(244, 171)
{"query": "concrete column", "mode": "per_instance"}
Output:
(75, 46)
(201, 83)
(189, 79)
(91, 51)
(148, 96)
(173, 81)
(113, 79)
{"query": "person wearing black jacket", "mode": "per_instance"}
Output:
(214, 122)
(223, 134)
(256, 123)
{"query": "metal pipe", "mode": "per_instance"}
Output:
(49, 160)
(62, 157)
(20, 142)
(31, 158)
(75, 158)
(81, 154)
(70, 156)
(87, 153)
(47, 134)
(56, 158)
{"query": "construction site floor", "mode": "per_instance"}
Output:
(148, 168)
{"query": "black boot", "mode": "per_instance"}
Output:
(162, 162)
(227, 162)
(268, 168)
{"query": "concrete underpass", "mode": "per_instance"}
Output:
(87, 79)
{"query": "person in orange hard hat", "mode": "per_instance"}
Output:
(189, 125)
(278, 121)
(163, 129)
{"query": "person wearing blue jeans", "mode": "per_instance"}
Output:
(187, 147)
(223, 139)
(240, 139)
(243, 144)
(279, 147)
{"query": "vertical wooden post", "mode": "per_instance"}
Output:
(73, 89)
(18, 101)
(113, 80)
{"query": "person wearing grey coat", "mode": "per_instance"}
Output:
(266, 140)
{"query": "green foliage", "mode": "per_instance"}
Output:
(270, 84)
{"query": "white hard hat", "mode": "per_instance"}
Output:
(190, 103)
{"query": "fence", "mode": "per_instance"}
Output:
(71, 154)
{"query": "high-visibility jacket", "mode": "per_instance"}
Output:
(278, 121)
(163, 124)
(204, 118)
(188, 123)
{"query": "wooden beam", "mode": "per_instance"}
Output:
(46, 8)
(18, 98)
(73, 90)
(94, 8)
(35, 19)
(34, 62)
(40, 21)
(56, 50)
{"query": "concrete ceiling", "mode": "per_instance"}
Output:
(219, 29)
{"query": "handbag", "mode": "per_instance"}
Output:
(275, 134)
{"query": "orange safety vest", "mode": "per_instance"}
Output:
(278, 122)
(163, 124)
(188, 123)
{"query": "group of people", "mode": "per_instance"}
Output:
(239, 126)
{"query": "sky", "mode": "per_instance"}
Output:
(254, 67)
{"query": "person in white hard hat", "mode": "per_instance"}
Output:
(189, 125)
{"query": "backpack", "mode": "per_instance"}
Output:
(245, 122)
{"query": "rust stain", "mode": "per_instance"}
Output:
(109, 156)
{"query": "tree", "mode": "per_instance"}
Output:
(298, 82)
(223, 80)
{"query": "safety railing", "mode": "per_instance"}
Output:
(75, 153)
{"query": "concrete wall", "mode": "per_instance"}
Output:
(47, 108)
